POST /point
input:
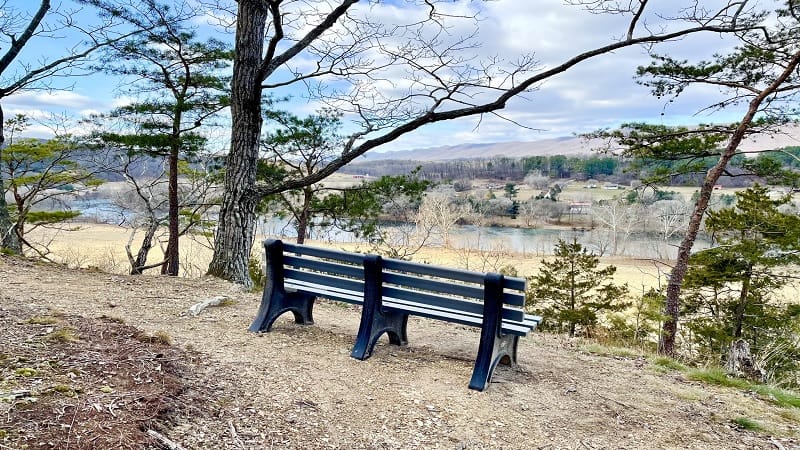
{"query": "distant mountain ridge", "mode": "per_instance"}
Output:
(545, 147)
(567, 145)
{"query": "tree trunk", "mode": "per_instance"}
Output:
(138, 264)
(742, 306)
(171, 267)
(304, 216)
(8, 236)
(302, 227)
(666, 344)
(740, 362)
(236, 226)
(572, 293)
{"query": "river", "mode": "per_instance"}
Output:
(527, 241)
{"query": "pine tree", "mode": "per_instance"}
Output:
(733, 288)
(570, 290)
(297, 149)
(40, 172)
(181, 86)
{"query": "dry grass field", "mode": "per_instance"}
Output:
(103, 247)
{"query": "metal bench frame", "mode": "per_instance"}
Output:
(389, 291)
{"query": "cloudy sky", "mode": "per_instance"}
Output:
(595, 94)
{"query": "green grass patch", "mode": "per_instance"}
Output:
(604, 350)
(63, 335)
(688, 396)
(667, 363)
(42, 320)
(717, 376)
(747, 423)
(113, 319)
(778, 396)
(789, 414)
(62, 389)
(26, 372)
(159, 337)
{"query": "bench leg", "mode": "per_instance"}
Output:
(374, 319)
(274, 303)
(502, 351)
(392, 323)
(508, 349)
(495, 347)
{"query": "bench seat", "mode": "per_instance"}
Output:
(389, 291)
(414, 308)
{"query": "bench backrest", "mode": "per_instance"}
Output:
(402, 281)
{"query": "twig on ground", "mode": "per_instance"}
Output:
(777, 444)
(199, 307)
(163, 439)
(615, 401)
(235, 435)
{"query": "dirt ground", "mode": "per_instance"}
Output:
(221, 387)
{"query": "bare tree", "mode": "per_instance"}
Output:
(671, 216)
(537, 181)
(619, 218)
(529, 213)
(346, 43)
(145, 206)
(403, 240)
(439, 212)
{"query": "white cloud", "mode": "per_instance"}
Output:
(597, 93)
(49, 100)
(122, 100)
(36, 130)
(89, 112)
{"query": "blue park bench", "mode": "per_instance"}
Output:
(390, 290)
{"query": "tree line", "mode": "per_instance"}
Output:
(498, 168)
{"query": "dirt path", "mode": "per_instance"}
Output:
(297, 387)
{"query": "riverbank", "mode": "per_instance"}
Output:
(103, 247)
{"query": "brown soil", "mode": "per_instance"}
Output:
(218, 386)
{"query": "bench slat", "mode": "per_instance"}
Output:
(532, 321)
(324, 266)
(467, 276)
(325, 280)
(454, 304)
(433, 285)
(513, 298)
(424, 310)
(343, 295)
(336, 255)
(427, 284)
(427, 269)
(515, 283)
